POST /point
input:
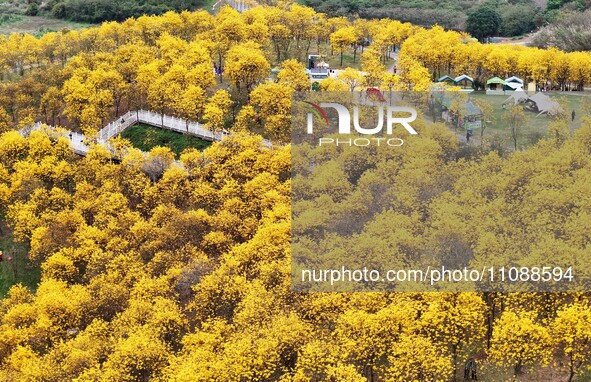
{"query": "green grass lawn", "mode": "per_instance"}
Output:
(17, 270)
(8, 18)
(537, 125)
(146, 137)
(37, 25)
(335, 60)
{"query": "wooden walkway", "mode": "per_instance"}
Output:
(81, 144)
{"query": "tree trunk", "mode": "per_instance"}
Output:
(455, 361)
(220, 67)
(278, 51)
(517, 370)
(515, 138)
(571, 369)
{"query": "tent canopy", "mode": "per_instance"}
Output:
(517, 97)
(462, 78)
(446, 99)
(472, 110)
(545, 104)
(515, 86)
(445, 78)
(495, 80)
(514, 79)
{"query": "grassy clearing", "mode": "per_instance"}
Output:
(537, 125)
(146, 137)
(335, 60)
(7, 19)
(17, 270)
(37, 25)
(324, 49)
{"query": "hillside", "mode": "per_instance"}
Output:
(96, 11)
(35, 25)
(517, 17)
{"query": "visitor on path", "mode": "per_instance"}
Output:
(572, 116)
(470, 372)
(468, 135)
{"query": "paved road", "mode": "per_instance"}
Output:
(394, 56)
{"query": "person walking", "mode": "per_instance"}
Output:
(468, 135)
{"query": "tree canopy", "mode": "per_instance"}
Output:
(154, 268)
(483, 22)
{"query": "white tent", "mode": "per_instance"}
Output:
(514, 80)
(462, 78)
(515, 86)
(517, 97)
(545, 104)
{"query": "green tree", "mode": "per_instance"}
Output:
(483, 22)
(517, 19)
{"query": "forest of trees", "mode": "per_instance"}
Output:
(517, 17)
(569, 32)
(96, 11)
(164, 270)
(82, 79)
(563, 22)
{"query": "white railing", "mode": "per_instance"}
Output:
(79, 142)
(116, 127)
(177, 124)
(239, 5)
(158, 120)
